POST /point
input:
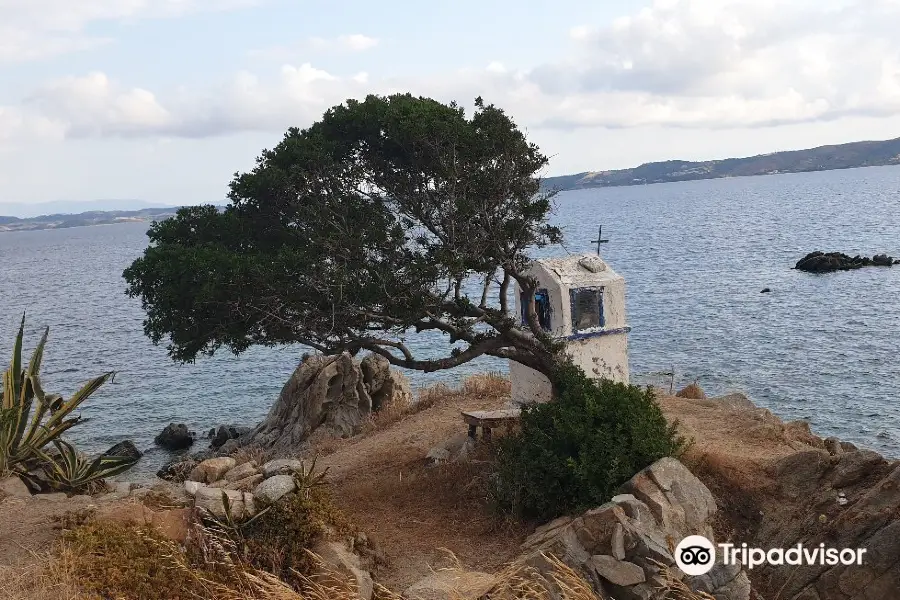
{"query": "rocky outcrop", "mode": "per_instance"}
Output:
(844, 499)
(623, 545)
(175, 437)
(335, 393)
(820, 262)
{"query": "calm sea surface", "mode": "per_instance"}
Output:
(695, 256)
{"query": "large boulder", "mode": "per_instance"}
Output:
(324, 391)
(175, 437)
(212, 469)
(623, 545)
(274, 488)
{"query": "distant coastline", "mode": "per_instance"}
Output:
(824, 158)
(85, 219)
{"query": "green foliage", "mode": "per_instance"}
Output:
(352, 231)
(279, 541)
(307, 479)
(573, 453)
(31, 420)
(71, 471)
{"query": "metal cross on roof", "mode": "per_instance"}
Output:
(599, 239)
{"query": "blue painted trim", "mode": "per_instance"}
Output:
(593, 334)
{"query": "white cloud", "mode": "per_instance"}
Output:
(679, 63)
(34, 29)
(351, 43)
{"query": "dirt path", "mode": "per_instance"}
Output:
(415, 513)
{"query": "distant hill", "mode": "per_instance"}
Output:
(95, 217)
(824, 158)
(25, 211)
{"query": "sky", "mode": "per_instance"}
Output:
(164, 100)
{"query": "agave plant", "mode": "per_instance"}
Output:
(71, 470)
(31, 420)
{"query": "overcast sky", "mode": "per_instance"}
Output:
(163, 100)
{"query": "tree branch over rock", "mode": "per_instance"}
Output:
(356, 231)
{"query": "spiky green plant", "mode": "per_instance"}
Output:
(71, 470)
(306, 479)
(31, 419)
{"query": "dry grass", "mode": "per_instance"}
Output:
(674, 588)
(475, 387)
(692, 391)
(256, 454)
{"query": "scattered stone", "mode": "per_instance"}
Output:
(339, 558)
(210, 500)
(191, 487)
(458, 448)
(212, 469)
(177, 470)
(615, 571)
(241, 471)
(249, 505)
(175, 437)
(220, 484)
(618, 542)
(282, 466)
(274, 488)
(451, 585)
(14, 487)
(247, 484)
(125, 448)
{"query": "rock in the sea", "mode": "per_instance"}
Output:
(226, 432)
(274, 488)
(175, 437)
(212, 469)
(820, 262)
(125, 448)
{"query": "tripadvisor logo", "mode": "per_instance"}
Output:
(696, 555)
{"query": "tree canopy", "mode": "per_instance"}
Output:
(356, 230)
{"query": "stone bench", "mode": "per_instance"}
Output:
(488, 419)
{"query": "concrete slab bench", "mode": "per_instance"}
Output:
(489, 419)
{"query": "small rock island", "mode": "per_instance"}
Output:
(820, 262)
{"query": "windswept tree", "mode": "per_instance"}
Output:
(347, 236)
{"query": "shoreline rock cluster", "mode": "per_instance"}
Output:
(821, 262)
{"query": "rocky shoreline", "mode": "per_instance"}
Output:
(748, 478)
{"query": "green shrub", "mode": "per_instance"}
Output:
(279, 540)
(573, 453)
